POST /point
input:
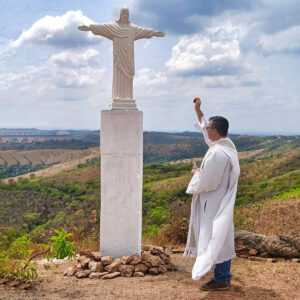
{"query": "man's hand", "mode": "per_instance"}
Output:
(194, 171)
(197, 102)
(84, 28)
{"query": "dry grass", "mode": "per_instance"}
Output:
(277, 216)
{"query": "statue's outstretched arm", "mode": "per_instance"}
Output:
(159, 34)
(84, 28)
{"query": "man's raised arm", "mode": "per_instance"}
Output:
(201, 126)
(198, 110)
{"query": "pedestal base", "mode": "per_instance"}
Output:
(123, 104)
(121, 182)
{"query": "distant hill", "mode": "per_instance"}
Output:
(158, 147)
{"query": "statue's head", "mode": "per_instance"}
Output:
(124, 15)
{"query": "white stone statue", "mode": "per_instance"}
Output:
(123, 34)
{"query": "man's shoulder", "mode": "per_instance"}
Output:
(217, 152)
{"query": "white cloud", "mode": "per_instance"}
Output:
(215, 53)
(62, 70)
(284, 41)
(148, 82)
(70, 59)
(59, 31)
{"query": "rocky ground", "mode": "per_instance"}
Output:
(251, 280)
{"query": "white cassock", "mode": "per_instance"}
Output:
(211, 232)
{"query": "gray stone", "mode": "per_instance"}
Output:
(138, 274)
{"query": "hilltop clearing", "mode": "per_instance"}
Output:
(250, 280)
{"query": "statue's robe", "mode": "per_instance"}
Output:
(211, 232)
(123, 37)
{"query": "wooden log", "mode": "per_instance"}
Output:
(284, 246)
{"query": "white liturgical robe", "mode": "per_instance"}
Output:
(211, 232)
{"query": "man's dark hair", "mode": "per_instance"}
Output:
(220, 124)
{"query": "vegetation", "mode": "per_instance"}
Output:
(16, 170)
(16, 261)
(71, 200)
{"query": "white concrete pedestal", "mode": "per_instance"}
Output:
(121, 144)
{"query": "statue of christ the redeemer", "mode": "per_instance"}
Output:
(123, 34)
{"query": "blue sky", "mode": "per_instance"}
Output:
(241, 57)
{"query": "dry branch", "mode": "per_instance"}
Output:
(284, 246)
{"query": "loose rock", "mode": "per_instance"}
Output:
(153, 271)
(155, 261)
(113, 266)
(83, 274)
(85, 252)
(111, 275)
(3, 280)
(126, 259)
(84, 262)
(252, 252)
(171, 267)
(24, 286)
(13, 283)
(138, 274)
(70, 271)
(106, 260)
(162, 269)
(140, 268)
(97, 275)
(135, 259)
(95, 266)
(96, 256)
(126, 270)
(177, 250)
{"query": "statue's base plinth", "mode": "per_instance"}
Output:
(123, 104)
(121, 182)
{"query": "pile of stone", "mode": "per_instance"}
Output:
(153, 261)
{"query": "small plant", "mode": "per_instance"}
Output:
(60, 248)
(17, 262)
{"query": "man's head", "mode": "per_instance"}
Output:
(217, 128)
(124, 15)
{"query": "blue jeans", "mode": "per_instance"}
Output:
(222, 272)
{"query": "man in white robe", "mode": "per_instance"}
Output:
(214, 186)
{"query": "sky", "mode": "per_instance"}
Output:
(241, 57)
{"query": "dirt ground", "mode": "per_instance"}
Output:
(250, 280)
